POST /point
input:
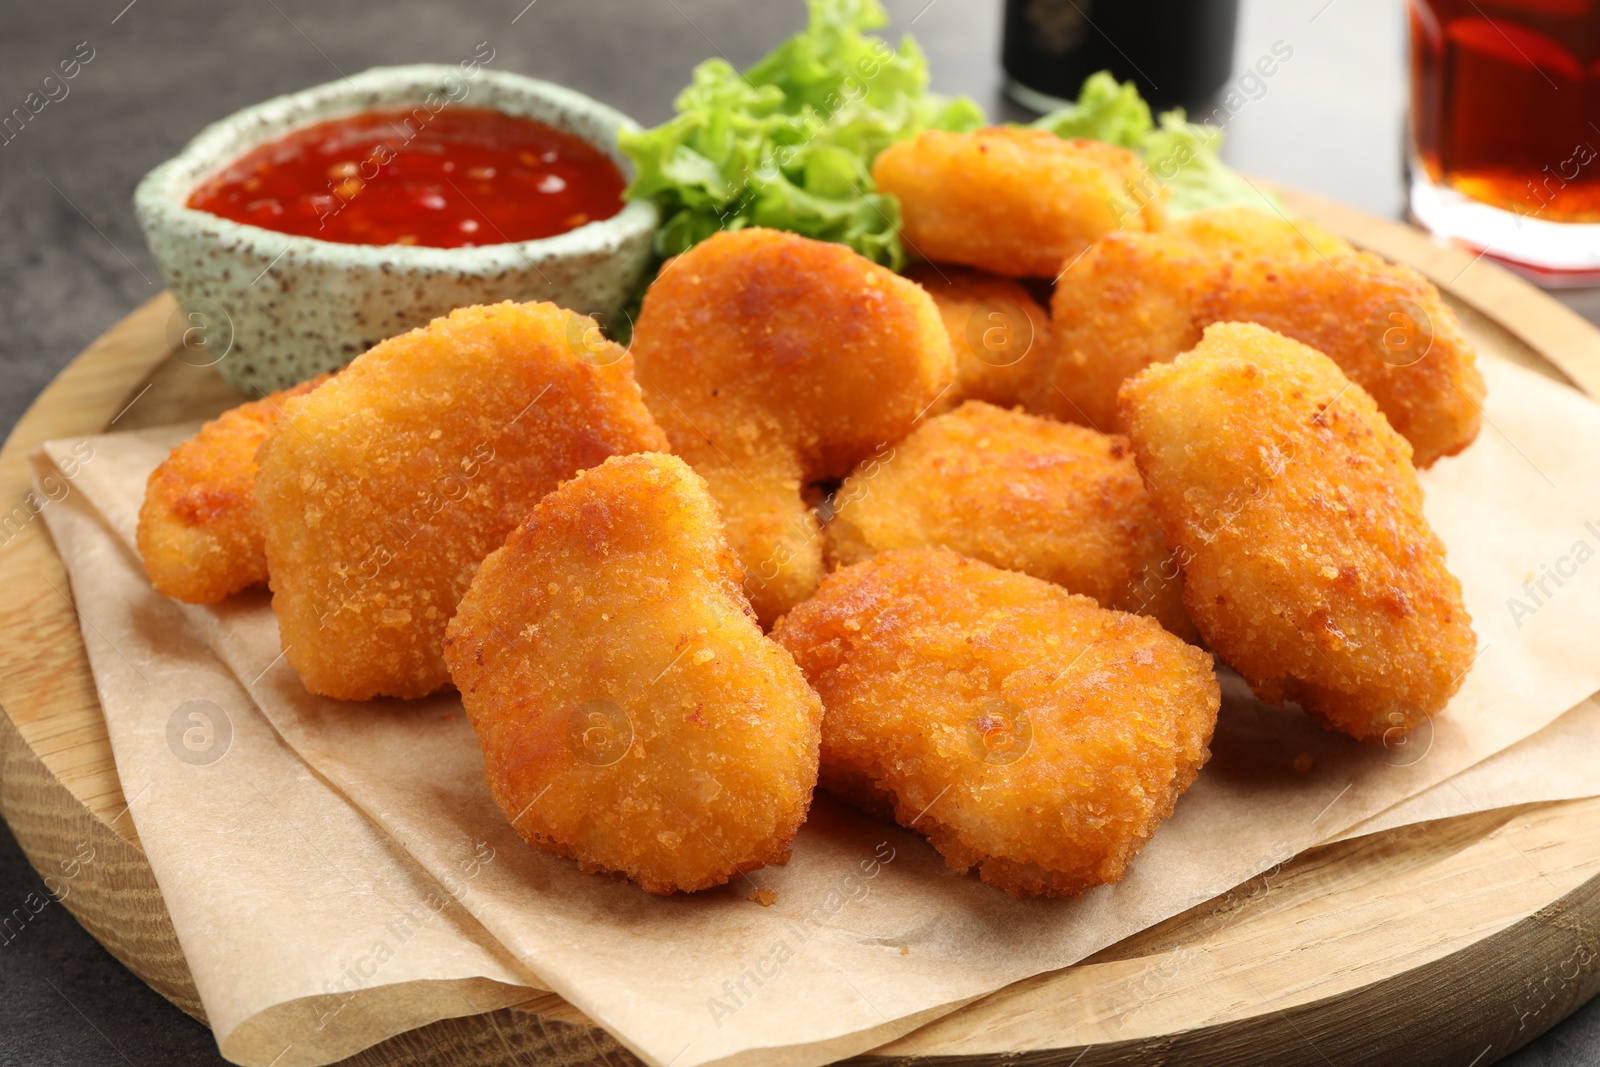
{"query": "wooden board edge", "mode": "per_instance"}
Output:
(89, 868)
(83, 399)
(1468, 858)
(66, 809)
(1503, 1005)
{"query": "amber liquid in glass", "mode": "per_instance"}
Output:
(1506, 102)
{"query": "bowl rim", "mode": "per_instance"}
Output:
(161, 195)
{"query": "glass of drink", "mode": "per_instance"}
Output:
(1505, 131)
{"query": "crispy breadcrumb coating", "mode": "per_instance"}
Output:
(1295, 512)
(1012, 200)
(1051, 499)
(632, 714)
(198, 534)
(385, 488)
(1027, 731)
(998, 332)
(773, 361)
(1131, 300)
(1251, 233)
(1386, 327)
(1136, 299)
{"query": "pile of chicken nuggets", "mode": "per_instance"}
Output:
(966, 563)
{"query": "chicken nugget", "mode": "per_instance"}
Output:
(198, 535)
(1295, 512)
(632, 714)
(997, 329)
(1248, 233)
(1029, 732)
(1131, 300)
(773, 361)
(385, 488)
(1012, 200)
(1136, 299)
(1386, 327)
(1057, 501)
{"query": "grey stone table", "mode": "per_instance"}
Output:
(72, 261)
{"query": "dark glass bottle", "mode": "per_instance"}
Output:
(1178, 52)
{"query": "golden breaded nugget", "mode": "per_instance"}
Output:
(1247, 233)
(198, 534)
(1050, 499)
(773, 361)
(632, 714)
(1386, 327)
(1136, 299)
(385, 488)
(1026, 730)
(1012, 200)
(997, 329)
(1131, 300)
(1296, 515)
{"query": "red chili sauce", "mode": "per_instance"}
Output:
(454, 178)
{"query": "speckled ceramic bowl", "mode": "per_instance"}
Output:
(275, 309)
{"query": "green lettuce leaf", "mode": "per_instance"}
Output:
(1105, 111)
(1184, 157)
(1181, 155)
(790, 142)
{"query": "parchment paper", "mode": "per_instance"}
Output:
(1560, 762)
(310, 933)
(870, 934)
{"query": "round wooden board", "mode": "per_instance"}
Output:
(1448, 943)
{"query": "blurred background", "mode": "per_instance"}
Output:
(1330, 118)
